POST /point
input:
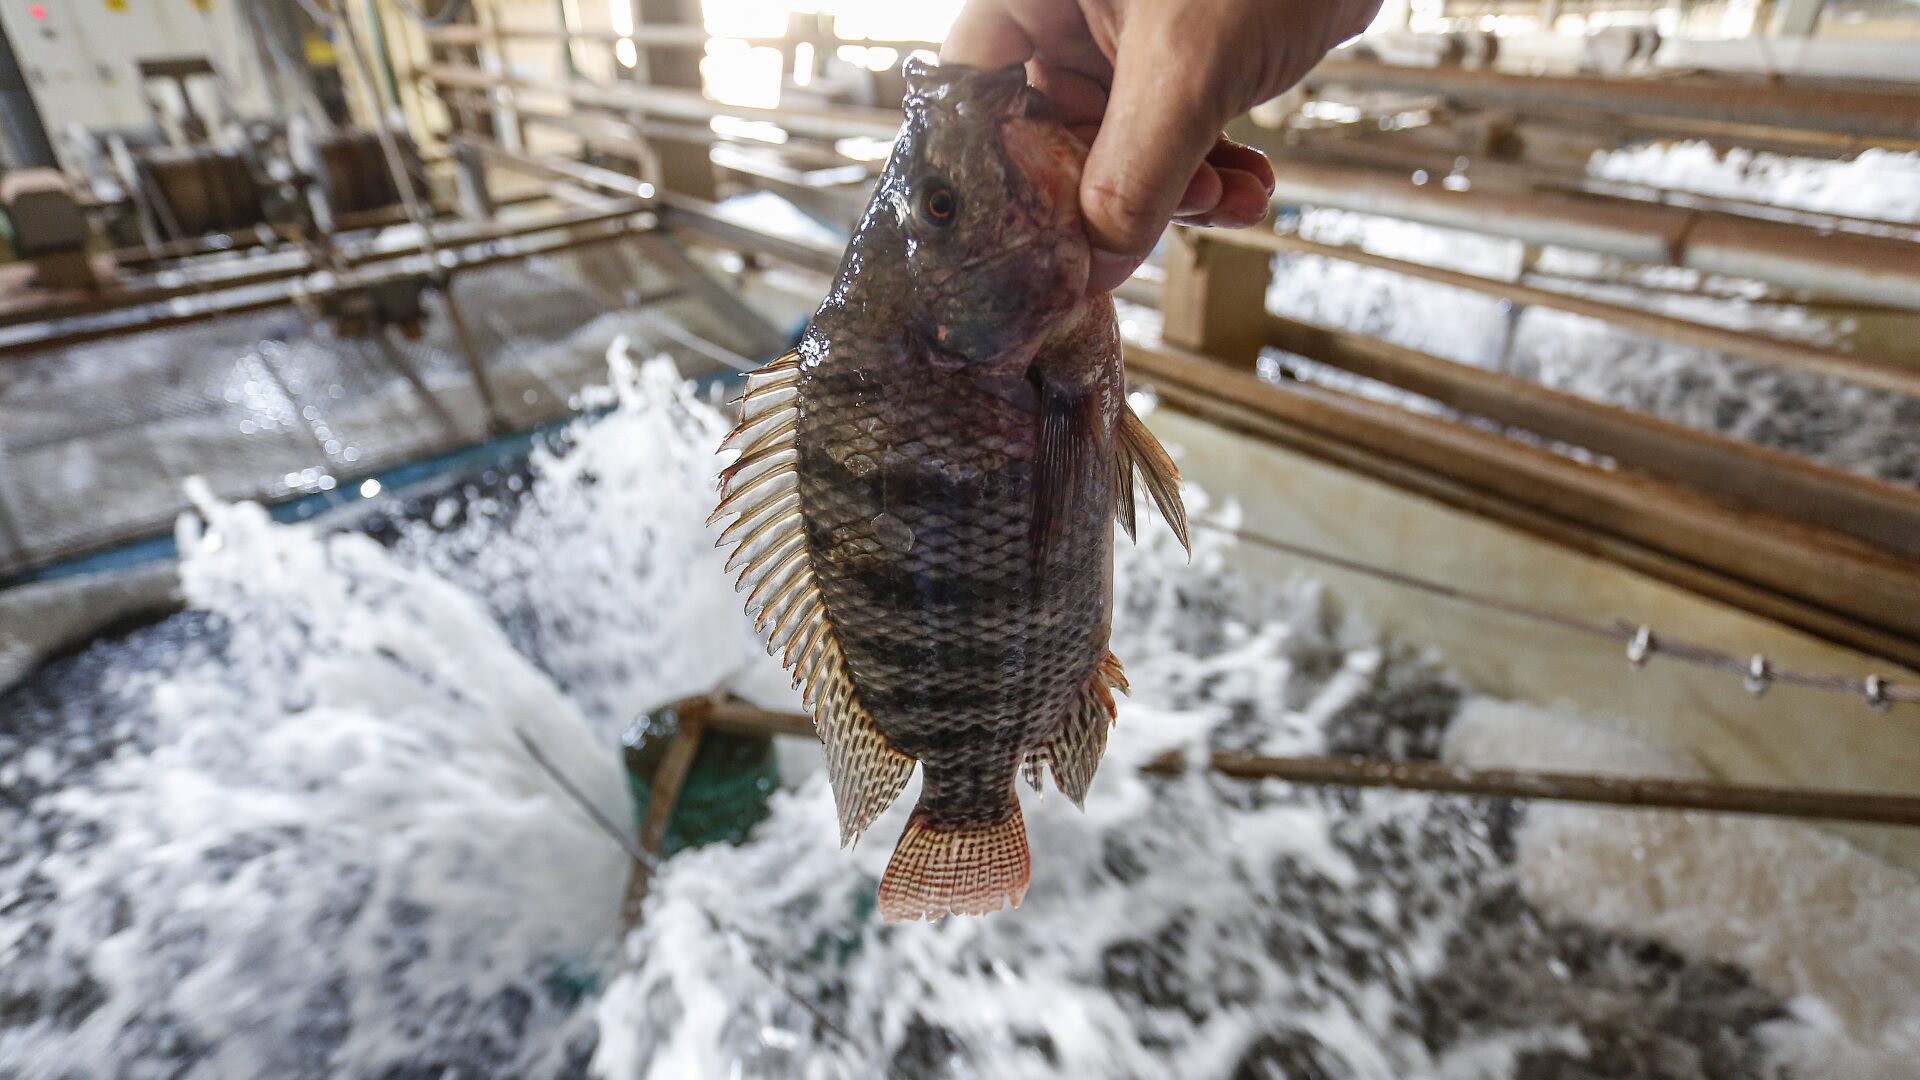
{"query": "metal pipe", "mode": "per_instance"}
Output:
(1870, 268)
(831, 123)
(303, 287)
(409, 198)
(1711, 796)
(1725, 100)
(651, 35)
(284, 266)
(681, 214)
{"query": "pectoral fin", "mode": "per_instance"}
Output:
(1138, 449)
(1067, 468)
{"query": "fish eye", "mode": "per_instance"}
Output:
(939, 204)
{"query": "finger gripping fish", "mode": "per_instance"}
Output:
(926, 490)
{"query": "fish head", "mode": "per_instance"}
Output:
(984, 190)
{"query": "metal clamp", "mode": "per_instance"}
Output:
(1641, 646)
(1876, 690)
(1759, 675)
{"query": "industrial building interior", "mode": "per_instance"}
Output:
(1540, 700)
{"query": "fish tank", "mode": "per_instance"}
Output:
(293, 829)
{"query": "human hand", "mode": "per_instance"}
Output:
(1150, 83)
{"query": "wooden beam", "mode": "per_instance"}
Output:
(1438, 149)
(1873, 268)
(1722, 100)
(1718, 467)
(1214, 300)
(1565, 532)
(684, 163)
(663, 791)
(1880, 373)
(1809, 577)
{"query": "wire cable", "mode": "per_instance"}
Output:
(1640, 640)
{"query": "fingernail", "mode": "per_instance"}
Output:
(1108, 269)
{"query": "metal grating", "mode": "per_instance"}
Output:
(97, 439)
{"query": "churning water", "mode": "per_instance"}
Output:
(292, 832)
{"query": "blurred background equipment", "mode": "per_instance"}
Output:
(1556, 441)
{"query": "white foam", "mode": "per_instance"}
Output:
(1811, 916)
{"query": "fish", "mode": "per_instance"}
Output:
(925, 491)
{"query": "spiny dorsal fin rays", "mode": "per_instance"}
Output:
(802, 612)
(755, 469)
(779, 603)
(748, 526)
(775, 430)
(1145, 453)
(761, 491)
(766, 551)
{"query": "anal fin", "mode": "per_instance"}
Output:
(938, 871)
(1073, 753)
(1138, 449)
(866, 774)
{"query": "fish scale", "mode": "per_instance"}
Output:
(927, 489)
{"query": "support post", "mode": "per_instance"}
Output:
(662, 794)
(1794, 18)
(1215, 298)
(684, 165)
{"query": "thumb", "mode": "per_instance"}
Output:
(1158, 127)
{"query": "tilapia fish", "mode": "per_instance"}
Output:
(926, 491)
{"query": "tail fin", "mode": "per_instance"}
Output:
(938, 871)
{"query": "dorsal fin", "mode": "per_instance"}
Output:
(761, 490)
(1138, 449)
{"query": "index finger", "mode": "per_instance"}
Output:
(986, 35)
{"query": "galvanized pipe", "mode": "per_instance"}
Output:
(304, 286)
(839, 122)
(651, 35)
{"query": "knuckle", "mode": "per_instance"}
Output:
(1125, 215)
